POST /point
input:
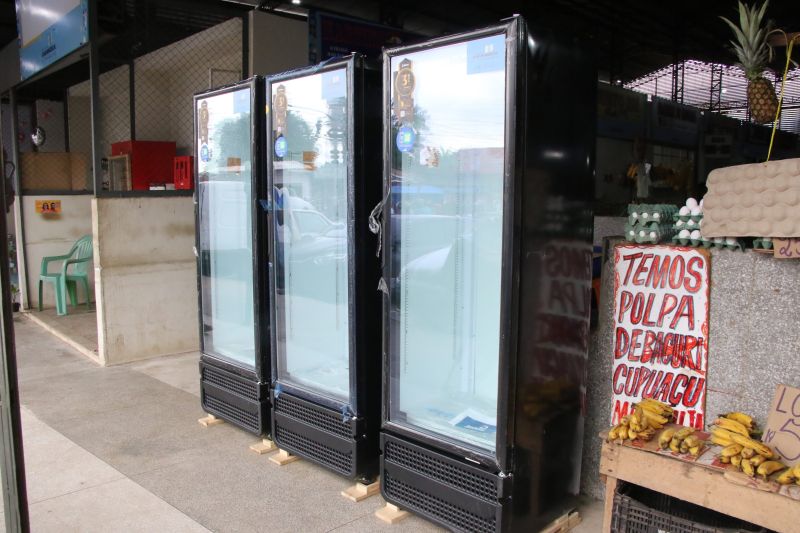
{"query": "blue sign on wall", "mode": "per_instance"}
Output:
(49, 30)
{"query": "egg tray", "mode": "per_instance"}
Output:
(666, 214)
(663, 233)
(706, 243)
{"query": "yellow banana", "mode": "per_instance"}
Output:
(757, 460)
(769, 467)
(732, 425)
(665, 437)
(684, 447)
(654, 418)
(747, 442)
(742, 418)
(748, 453)
(692, 440)
(675, 445)
(730, 451)
(632, 434)
(716, 439)
(747, 468)
(655, 405)
(683, 433)
(695, 450)
(722, 433)
(613, 432)
(724, 460)
(736, 460)
(786, 477)
(636, 420)
(647, 434)
(796, 471)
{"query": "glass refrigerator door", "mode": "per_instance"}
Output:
(225, 172)
(310, 184)
(448, 120)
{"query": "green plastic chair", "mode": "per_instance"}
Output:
(65, 281)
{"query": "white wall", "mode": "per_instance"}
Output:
(146, 276)
(53, 235)
(167, 78)
(276, 43)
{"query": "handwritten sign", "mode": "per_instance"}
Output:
(48, 207)
(661, 329)
(783, 424)
(786, 248)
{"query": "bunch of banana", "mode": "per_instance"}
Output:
(746, 454)
(673, 439)
(790, 475)
(633, 426)
(692, 445)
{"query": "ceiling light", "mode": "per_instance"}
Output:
(296, 2)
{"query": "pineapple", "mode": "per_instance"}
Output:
(753, 52)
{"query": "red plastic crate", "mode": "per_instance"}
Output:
(151, 162)
(183, 172)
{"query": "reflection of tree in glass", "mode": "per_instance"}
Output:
(299, 134)
(233, 140)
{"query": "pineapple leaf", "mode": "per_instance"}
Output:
(744, 13)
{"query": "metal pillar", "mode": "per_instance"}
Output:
(15, 493)
(22, 259)
(715, 100)
(677, 82)
(94, 98)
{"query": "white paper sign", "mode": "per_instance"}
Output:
(661, 329)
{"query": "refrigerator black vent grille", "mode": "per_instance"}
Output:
(336, 460)
(456, 517)
(460, 478)
(323, 420)
(242, 388)
(233, 413)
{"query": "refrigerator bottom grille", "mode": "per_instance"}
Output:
(243, 388)
(233, 413)
(336, 460)
(313, 416)
(456, 517)
(464, 479)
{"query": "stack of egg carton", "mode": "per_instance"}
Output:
(688, 228)
(650, 223)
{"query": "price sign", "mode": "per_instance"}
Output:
(783, 425)
(48, 207)
(786, 248)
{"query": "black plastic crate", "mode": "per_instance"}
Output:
(640, 510)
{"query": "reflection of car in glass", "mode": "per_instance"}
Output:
(310, 242)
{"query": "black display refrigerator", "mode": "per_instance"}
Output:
(489, 145)
(324, 165)
(232, 254)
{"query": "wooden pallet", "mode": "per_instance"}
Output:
(283, 458)
(360, 491)
(210, 420)
(265, 446)
(391, 514)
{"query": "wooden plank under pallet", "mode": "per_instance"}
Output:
(265, 446)
(360, 491)
(210, 420)
(391, 514)
(283, 458)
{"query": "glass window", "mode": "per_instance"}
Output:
(310, 180)
(224, 184)
(448, 120)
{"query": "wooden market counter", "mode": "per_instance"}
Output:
(694, 484)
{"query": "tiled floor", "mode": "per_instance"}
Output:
(120, 449)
